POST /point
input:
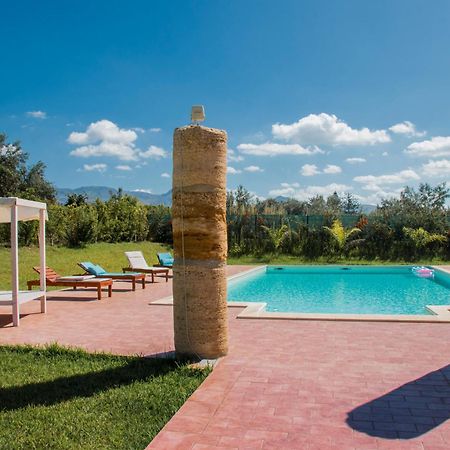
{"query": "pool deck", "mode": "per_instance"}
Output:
(286, 384)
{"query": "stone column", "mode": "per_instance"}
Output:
(200, 242)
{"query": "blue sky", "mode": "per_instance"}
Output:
(316, 96)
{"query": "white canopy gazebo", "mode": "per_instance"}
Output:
(13, 210)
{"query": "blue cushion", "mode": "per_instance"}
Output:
(165, 259)
(93, 269)
(99, 269)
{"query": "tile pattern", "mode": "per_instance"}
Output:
(286, 384)
(308, 385)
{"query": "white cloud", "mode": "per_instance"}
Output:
(437, 168)
(154, 152)
(154, 130)
(332, 169)
(165, 175)
(102, 130)
(139, 130)
(375, 197)
(253, 169)
(120, 151)
(123, 167)
(356, 160)
(385, 154)
(274, 149)
(309, 170)
(37, 114)
(374, 182)
(94, 168)
(318, 129)
(233, 171)
(232, 157)
(104, 138)
(147, 191)
(302, 194)
(431, 148)
(407, 128)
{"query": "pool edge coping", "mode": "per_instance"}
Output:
(257, 310)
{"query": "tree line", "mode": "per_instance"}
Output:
(414, 225)
(77, 222)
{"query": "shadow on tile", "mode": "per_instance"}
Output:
(407, 412)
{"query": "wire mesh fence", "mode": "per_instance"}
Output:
(255, 221)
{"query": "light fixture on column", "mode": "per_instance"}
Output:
(197, 114)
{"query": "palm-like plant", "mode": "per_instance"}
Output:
(276, 235)
(340, 235)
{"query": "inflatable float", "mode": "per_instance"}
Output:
(423, 272)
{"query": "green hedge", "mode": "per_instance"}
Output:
(119, 219)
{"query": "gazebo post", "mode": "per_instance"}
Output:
(15, 265)
(42, 261)
(12, 211)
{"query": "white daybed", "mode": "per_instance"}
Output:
(13, 210)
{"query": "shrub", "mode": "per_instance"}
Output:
(422, 241)
(160, 224)
(276, 236)
(340, 236)
(81, 225)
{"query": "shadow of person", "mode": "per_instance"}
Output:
(407, 412)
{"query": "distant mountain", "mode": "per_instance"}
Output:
(367, 209)
(104, 192)
(282, 199)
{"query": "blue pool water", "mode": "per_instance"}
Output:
(342, 290)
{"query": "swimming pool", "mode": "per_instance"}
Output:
(342, 290)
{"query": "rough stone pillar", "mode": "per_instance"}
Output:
(200, 241)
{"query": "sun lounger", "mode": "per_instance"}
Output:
(75, 281)
(165, 259)
(99, 272)
(139, 264)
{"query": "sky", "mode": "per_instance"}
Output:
(316, 96)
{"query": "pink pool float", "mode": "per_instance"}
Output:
(423, 272)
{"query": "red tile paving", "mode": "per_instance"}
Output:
(286, 384)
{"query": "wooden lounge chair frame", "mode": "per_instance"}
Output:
(155, 271)
(52, 279)
(140, 261)
(133, 277)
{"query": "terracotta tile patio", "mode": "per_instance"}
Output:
(286, 384)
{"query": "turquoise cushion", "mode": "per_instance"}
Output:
(99, 270)
(93, 269)
(165, 259)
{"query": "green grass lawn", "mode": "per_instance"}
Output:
(59, 398)
(64, 260)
